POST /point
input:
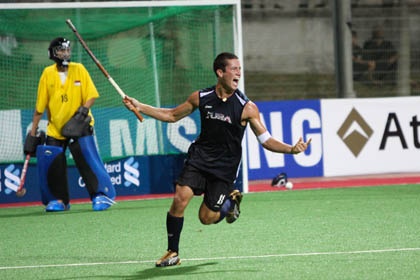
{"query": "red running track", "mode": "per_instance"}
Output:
(340, 182)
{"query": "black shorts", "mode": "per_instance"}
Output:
(215, 190)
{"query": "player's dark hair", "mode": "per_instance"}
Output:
(220, 62)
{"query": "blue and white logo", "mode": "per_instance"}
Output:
(131, 172)
(12, 178)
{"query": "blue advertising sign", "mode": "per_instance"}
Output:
(136, 175)
(287, 121)
(145, 158)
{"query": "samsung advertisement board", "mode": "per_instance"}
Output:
(349, 137)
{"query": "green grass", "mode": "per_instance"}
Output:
(350, 233)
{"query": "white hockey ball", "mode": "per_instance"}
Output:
(289, 185)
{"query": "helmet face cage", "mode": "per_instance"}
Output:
(60, 51)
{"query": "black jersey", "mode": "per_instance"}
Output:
(218, 148)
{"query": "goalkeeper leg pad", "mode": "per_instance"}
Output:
(52, 174)
(92, 168)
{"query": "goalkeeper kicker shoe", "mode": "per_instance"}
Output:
(170, 258)
(101, 202)
(233, 214)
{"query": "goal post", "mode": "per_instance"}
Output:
(157, 51)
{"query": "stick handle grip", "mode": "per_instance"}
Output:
(137, 113)
(124, 96)
(23, 175)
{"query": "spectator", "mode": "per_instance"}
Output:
(384, 54)
(362, 69)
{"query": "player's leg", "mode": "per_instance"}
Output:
(174, 224)
(230, 208)
(208, 216)
(52, 175)
(91, 168)
(190, 182)
(220, 201)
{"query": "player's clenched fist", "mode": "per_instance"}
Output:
(300, 146)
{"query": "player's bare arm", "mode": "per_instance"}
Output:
(165, 114)
(251, 114)
(35, 122)
(89, 103)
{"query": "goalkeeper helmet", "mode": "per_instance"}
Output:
(60, 51)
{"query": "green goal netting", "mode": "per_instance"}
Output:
(156, 51)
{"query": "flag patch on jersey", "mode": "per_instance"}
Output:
(77, 83)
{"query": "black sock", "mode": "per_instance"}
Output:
(174, 228)
(226, 207)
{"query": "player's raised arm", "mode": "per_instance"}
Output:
(164, 114)
(252, 115)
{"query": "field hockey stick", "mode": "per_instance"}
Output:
(21, 191)
(102, 68)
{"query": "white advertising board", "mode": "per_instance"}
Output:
(371, 136)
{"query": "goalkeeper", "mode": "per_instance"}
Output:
(66, 92)
(214, 157)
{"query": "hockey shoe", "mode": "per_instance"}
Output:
(233, 214)
(170, 258)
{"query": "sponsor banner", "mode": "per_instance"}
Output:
(10, 180)
(371, 136)
(287, 121)
(349, 137)
(136, 175)
(120, 135)
(117, 134)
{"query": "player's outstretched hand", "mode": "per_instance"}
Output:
(300, 146)
(131, 103)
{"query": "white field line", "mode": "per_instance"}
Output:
(216, 258)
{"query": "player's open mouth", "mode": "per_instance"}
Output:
(236, 82)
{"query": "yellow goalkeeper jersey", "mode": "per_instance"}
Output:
(62, 100)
